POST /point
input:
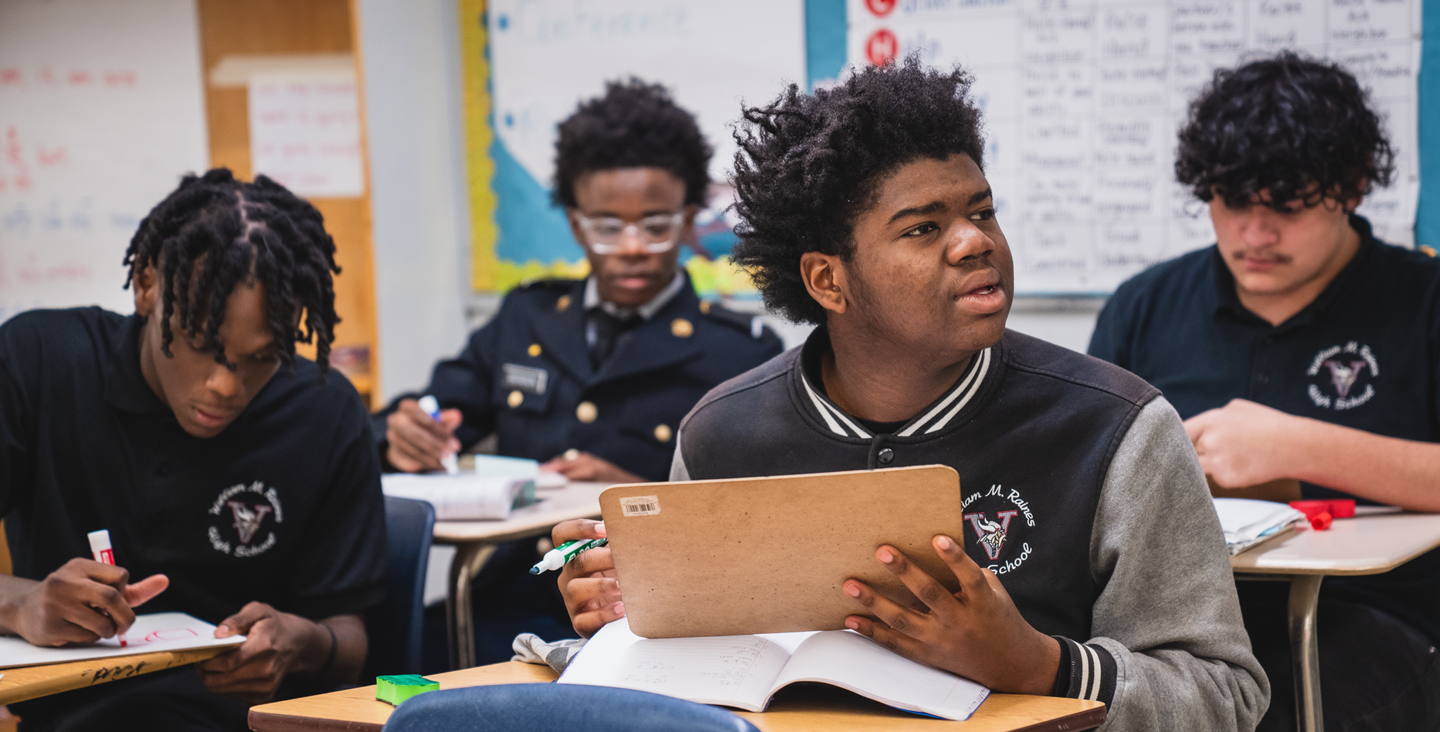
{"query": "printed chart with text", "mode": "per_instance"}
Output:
(1083, 100)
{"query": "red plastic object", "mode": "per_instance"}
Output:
(1342, 508)
(1317, 512)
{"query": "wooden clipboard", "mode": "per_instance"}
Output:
(769, 555)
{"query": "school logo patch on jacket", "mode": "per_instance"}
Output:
(1002, 516)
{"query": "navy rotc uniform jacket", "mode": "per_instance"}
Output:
(527, 376)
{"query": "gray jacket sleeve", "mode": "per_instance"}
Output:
(678, 471)
(1167, 613)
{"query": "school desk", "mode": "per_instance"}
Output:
(805, 710)
(475, 542)
(31, 682)
(1377, 540)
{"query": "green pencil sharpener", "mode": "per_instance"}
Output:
(395, 690)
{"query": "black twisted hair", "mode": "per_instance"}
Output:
(808, 164)
(214, 232)
(1295, 126)
(634, 125)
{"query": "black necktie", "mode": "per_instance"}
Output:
(608, 330)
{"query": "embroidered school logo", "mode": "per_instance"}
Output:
(1342, 376)
(247, 521)
(992, 535)
(997, 522)
(250, 509)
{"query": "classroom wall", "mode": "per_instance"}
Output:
(422, 251)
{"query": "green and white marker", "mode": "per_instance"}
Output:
(561, 555)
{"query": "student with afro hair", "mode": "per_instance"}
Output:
(1091, 563)
(237, 479)
(1300, 346)
(590, 376)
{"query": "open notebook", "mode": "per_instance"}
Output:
(744, 671)
(150, 633)
(1248, 523)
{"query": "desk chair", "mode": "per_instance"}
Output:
(394, 627)
(547, 707)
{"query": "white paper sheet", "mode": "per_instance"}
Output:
(305, 133)
(150, 633)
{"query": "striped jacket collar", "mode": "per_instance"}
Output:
(933, 418)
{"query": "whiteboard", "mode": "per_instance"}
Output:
(101, 112)
(1083, 100)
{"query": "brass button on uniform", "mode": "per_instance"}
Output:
(586, 412)
(682, 328)
(704, 307)
(533, 350)
(662, 432)
(515, 399)
(562, 304)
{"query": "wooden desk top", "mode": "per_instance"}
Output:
(31, 682)
(571, 501)
(797, 710)
(1367, 544)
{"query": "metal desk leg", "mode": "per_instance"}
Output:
(469, 558)
(1304, 652)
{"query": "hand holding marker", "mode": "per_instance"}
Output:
(449, 460)
(102, 551)
(561, 555)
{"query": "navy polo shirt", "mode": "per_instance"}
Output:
(1365, 354)
(283, 507)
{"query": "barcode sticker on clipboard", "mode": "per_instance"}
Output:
(640, 505)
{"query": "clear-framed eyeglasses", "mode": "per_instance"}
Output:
(655, 234)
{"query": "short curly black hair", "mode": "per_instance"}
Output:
(215, 232)
(1294, 126)
(634, 125)
(808, 164)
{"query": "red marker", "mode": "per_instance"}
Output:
(104, 554)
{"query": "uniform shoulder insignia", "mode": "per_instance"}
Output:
(549, 284)
(749, 324)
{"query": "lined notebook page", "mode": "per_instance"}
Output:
(731, 670)
(852, 661)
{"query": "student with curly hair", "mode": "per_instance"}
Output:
(1300, 346)
(238, 480)
(1091, 564)
(591, 376)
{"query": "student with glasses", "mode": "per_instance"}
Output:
(592, 376)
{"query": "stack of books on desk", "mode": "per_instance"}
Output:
(1248, 523)
(489, 491)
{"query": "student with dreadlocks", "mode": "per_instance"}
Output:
(238, 480)
(1301, 346)
(592, 376)
(1091, 564)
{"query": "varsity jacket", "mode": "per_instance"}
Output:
(1080, 490)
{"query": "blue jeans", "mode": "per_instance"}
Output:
(547, 707)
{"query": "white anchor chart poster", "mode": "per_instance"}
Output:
(1083, 99)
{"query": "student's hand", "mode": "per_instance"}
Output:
(1244, 443)
(417, 442)
(577, 465)
(276, 645)
(976, 633)
(592, 594)
(81, 602)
